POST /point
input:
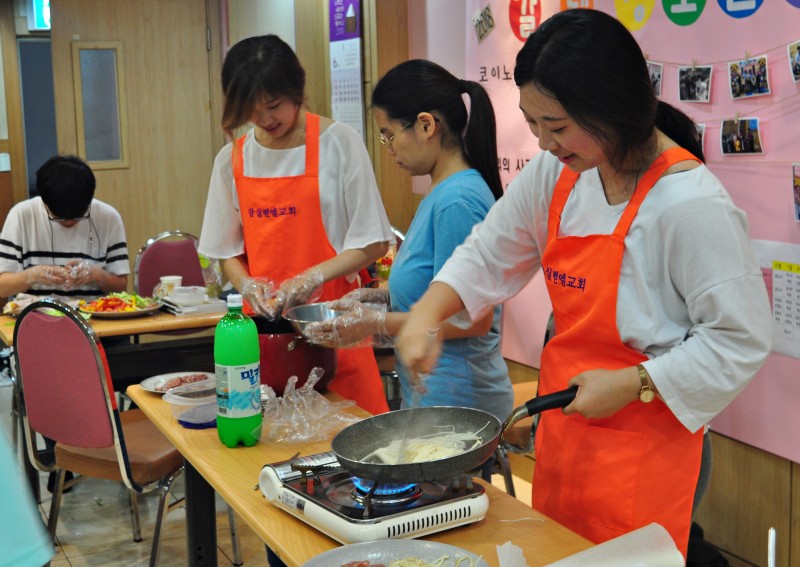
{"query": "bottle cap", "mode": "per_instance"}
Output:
(234, 300)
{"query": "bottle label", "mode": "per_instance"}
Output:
(238, 390)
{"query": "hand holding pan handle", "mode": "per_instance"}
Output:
(560, 399)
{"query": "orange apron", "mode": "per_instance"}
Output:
(284, 235)
(606, 477)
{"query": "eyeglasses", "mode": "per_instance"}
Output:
(59, 219)
(388, 141)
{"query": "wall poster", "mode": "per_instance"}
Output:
(347, 96)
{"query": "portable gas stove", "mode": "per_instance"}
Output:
(318, 491)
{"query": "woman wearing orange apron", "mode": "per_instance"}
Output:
(661, 312)
(293, 201)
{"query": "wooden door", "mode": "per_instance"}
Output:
(171, 56)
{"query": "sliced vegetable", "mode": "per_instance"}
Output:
(119, 302)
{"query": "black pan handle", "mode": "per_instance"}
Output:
(556, 400)
(560, 399)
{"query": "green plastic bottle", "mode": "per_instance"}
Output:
(236, 358)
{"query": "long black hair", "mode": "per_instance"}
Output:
(256, 66)
(419, 85)
(591, 64)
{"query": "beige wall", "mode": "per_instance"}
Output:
(247, 18)
(172, 130)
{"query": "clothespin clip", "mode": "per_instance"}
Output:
(737, 116)
(647, 57)
(694, 64)
(746, 55)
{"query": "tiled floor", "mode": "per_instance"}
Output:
(94, 526)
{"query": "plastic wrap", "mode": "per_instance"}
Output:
(303, 414)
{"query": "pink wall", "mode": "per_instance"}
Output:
(766, 415)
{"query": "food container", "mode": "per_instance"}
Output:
(194, 405)
(302, 315)
(286, 353)
(186, 296)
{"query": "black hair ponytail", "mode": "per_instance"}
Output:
(680, 128)
(480, 137)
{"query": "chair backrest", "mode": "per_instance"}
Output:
(63, 380)
(399, 237)
(171, 253)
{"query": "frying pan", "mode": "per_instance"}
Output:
(357, 441)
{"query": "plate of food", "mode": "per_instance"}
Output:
(120, 305)
(20, 301)
(397, 553)
(163, 382)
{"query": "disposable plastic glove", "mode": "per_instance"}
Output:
(46, 276)
(258, 293)
(79, 272)
(303, 288)
(373, 295)
(360, 325)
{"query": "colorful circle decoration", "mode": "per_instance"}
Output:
(740, 8)
(570, 4)
(795, 3)
(683, 12)
(634, 14)
(524, 16)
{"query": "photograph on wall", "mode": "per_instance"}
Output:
(741, 136)
(794, 60)
(655, 70)
(701, 133)
(749, 77)
(694, 83)
(796, 190)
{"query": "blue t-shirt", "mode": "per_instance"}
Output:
(24, 542)
(471, 372)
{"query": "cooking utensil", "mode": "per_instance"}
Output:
(286, 353)
(357, 441)
(301, 315)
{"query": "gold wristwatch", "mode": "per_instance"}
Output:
(646, 394)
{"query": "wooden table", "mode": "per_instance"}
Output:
(159, 322)
(130, 363)
(233, 473)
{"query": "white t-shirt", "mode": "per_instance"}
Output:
(352, 209)
(30, 238)
(691, 296)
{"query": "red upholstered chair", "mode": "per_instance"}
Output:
(171, 253)
(66, 394)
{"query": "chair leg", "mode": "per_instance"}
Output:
(237, 550)
(55, 504)
(15, 420)
(165, 487)
(501, 458)
(137, 524)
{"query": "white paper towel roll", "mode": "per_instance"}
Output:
(650, 546)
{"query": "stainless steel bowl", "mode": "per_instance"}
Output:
(301, 315)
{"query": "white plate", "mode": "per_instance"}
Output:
(388, 550)
(154, 382)
(122, 314)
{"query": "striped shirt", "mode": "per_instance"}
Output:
(30, 238)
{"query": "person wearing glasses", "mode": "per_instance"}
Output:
(421, 112)
(293, 209)
(63, 242)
